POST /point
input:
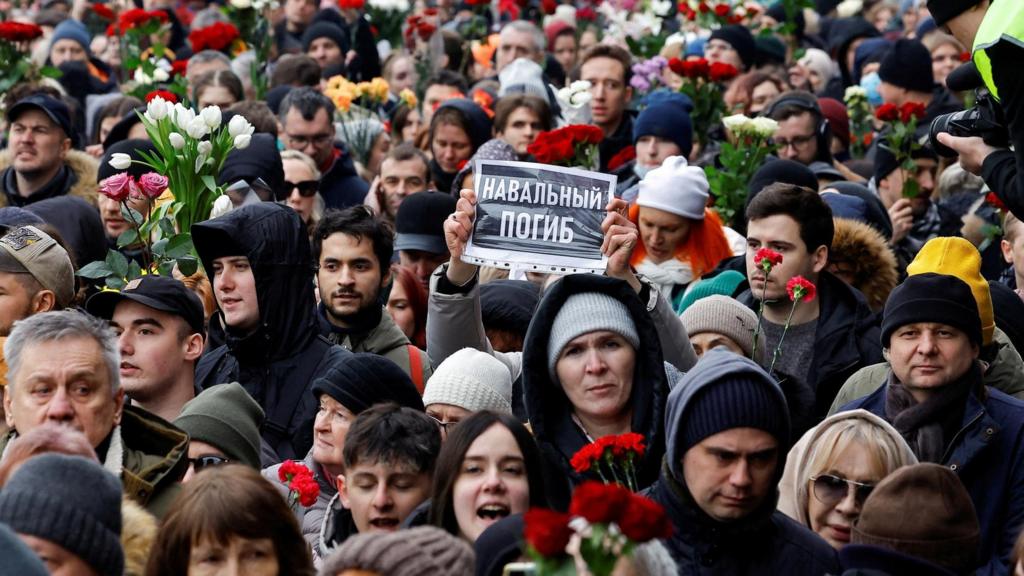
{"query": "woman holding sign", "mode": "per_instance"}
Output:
(680, 238)
(614, 321)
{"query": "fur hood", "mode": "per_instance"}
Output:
(859, 248)
(83, 165)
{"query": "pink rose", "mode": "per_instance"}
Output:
(117, 187)
(153, 184)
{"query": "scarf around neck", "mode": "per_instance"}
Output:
(666, 275)
(929, 426)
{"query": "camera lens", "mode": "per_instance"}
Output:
(955, 124)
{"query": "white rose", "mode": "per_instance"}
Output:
(764, 126)
(239, 125)
(855, 93)
(120, 161)
(241, 4)
(211, 116)
(177, 141)
(205, 147)
(737, 123)
(197, 128)
(242, 141)
(183, 116)
(158, 108)
(161, 75)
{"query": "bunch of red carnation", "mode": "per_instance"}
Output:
(16, 32)
(594, 510)
(573, 145)
(612, 458)
(302, 486)
(216, 36)
(418, 26)
(891, 113)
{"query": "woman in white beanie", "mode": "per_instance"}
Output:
(466, 382)
(680, 238)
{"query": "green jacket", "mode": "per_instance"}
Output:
(153, 458)
(1005, 373)
(388, 340)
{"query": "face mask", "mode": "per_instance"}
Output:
(870, 83)
(641, 171)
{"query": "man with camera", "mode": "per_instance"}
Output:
(995, 30)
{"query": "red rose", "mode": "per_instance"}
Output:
(351, 4)
(800, 289)
(868, 138)
(703, 7)
(625, 155)
(179, 67)
(217, 36)
(722, 10)
(677, 66)
(425, 30)
(599, 503)
(994, 200)
(169, 96)
(103, 11)
(644, 519)
(965, 56)
(887, 112)
(112, 30)
(587, 13)
(912, 110)
(547, 531)
(766, 258)
(548, 6)
(478, 2)
(19, 31)
(734, 19)
(137, 17)
(720, 71)
(698, 68)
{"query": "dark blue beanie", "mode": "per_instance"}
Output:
(736, 401)
(668, 119)
(71, 30)
(361, 380)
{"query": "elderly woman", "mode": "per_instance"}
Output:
(832, 469)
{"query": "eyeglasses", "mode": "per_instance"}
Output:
(307, 188)
(207, 461)
(797, 142)
(830, 490)
(318, 140)
(444, 425)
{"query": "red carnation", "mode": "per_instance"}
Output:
(548, 6)
(425, 30)
(912, 110)
(351, 4)
(137, 17)
(994, 200)
(720, 71)
(599, 503)
(19, 31)
(625, 155)
(677, 66)
(179, 67)
(800, 289)
(430, 11)
(722, 10)
(734, 19)
(103, 11)
(630, 442)
(547, 531)
(703, 7)
(586, 13)
(288, 469)
(887, 112)
(168, 96)
(766, 258)
(644, 519)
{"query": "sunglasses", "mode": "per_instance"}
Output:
(830, 490)
(203, 462)
(307, 188)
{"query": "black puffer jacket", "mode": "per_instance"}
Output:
(549, 410)
(278, 362)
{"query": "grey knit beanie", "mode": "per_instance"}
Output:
(422, 551)
(473, 380)
(70, 501)
(584, 313)
(225, 416)
(726, 316)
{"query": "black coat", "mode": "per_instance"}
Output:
(341, 185)
(278, 362)
(1000, 169)
(549, 410)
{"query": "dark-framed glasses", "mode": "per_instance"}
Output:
(306, 188)
(831, 490)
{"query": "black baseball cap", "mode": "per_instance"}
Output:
(52, 107)
(419, 224)
(158, 292)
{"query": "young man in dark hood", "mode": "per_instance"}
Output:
(259, 261)
(727, 433)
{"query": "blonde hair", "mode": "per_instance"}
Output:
(886, 453)
(301, 157)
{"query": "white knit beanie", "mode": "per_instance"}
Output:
(675, 187)
(473, 380)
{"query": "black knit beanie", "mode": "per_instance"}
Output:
(934, 298)
(777, 170)
(131, 148)
(908, 65)
(260, 160)
(324, 30)
(741, 40)
(735, 401)
(945, 10)
(70, 501)
(885, 159)
(361, 380)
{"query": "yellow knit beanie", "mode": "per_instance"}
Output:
(958, 257)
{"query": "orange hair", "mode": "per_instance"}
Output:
(704, 247)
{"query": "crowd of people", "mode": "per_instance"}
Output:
(828, 381)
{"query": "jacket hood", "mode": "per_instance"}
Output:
(841, 34)
(84, 167)
(275, 241)
(793, 488)
(547, 406)
(711, 368)
(873, 263)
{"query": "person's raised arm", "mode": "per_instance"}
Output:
(457, 229)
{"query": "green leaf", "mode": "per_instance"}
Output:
(94, 270)
(118, 263)
(50, 72)
(166, 226)
(211, 183)
(131, 215)
(179, 246)
(188, 265)
(116, 282)
(159, 248)
(127, 238)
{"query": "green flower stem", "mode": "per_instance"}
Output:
(798, 293)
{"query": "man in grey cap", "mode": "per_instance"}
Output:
(39, 162)
(36, 275)
(419, 228)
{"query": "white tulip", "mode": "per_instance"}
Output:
(177, 140)
(239, 125)
(158, 108)
(197, 128)
(205, 147)
(221, 206)
(211, 116)
(120, 161)
(580, 99)
(764, 126)
(183, 116)
(242, 141)
(161, 75)
(580, 86)
(142, 78)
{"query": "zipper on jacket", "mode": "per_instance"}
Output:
(958, 434)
